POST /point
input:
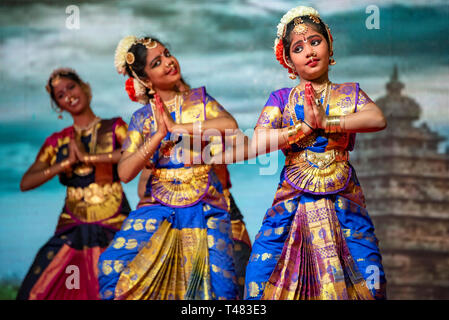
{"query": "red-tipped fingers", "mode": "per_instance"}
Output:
(159, 104)
(308, 94)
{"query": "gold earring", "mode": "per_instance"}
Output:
(292, 76)
(332, 61)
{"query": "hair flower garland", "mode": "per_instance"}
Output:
(281, 29)
(289, 16)
(121, 53)
(129, 87)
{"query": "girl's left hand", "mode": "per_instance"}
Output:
(166, 116)
(318, 109)
(159, 116)
(80, 152)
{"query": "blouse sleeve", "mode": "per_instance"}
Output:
(134, 136)
(271, 116)
(213, 108)
(362, 100)
(120, 131)
(48, 151)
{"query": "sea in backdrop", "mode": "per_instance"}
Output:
(224, 45)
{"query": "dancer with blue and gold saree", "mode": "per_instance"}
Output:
(317, 240)
(177, 244)
(240, 236)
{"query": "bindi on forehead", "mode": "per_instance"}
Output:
(155, 53)
(297, 39)
(61, 84)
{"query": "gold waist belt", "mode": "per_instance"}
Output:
(319, 159)
(185, 174)
(94, 193)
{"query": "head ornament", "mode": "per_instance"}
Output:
(135, 87)
(300, 28)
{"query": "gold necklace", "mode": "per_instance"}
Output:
(310, 140)
(171, 105)
(175, 105)
(84, 169)
(319, 90)
(89, 126)
(297, 90)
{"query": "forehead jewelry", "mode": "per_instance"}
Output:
(130, 58)
(148, 43)
(314, 19)
(55, 77)
(300, 27)
(55, 80)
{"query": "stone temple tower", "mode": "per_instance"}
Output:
(406, 184)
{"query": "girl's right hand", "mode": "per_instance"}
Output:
(309, 115)
(73, 152)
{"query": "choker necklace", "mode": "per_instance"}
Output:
(174, 104)
(89, 126)
(319, 90)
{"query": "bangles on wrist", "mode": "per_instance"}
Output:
(197, 124)
(90, 159)
(295, 133)
(47, 172)
(143, 151)
(334, 124)
(65, 164)
(96, 158)
(305, 122)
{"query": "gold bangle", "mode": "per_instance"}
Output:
(199, 126)
(110, 155)
(65, 163)
(291, 134)
(333, 125)
(143, 152)
(295, 133)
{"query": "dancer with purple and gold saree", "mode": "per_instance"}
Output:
(317, 240)
(177, 244)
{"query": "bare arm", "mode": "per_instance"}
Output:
(240, 147)
(144, 176)
(131, 163)
(40, 172)
(110, 157)
(369, 119)
(223, 122)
